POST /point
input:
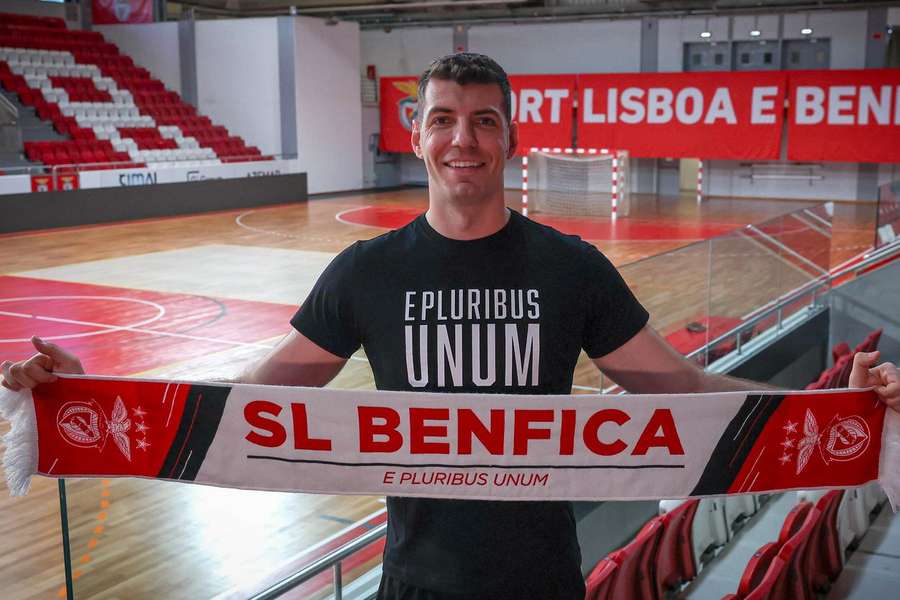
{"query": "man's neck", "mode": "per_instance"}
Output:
(467, 222)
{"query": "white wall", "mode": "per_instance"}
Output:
(237, 79)
(589, 47)
(329, 110)
(153, 46)
(673, 33)
(403, 51)
(893, 16)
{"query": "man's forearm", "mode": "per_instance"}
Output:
(713, 382)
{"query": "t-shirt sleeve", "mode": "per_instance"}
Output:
(328, 315)
(614, 315)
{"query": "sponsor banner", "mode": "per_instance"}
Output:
(399, 102)
(66, 181)
(492, 446)
(736, 116)
(851, 116)
(542, 106)
(15, 184)
(151, 175)
(113, 12)
(42, 183)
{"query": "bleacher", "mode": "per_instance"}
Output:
(114, 113)
(800, 559)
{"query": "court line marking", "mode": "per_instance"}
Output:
(161, 312)
(339, 217)
(239, 221)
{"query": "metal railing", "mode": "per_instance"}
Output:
(332, 561)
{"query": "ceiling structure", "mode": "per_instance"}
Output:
(408, 13)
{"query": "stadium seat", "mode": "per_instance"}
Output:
(635, 577)
(825, 557)
(762, 571)
(708, 530)
(738, 508)
(674, 557)
(599, 583)
(795, 581)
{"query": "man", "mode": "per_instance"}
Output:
(472, 297)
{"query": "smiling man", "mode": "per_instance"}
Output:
(473, 297)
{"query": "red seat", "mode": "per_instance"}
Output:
(794, 582)
(870, 344)
(674, 558)
(825, 555)
(636, 574)
(599, 583)
(762, 571)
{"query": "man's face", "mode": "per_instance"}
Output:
(462, 135)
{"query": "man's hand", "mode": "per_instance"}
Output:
(883, 377)
(40, 368)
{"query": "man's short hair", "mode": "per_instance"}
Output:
(468, 67)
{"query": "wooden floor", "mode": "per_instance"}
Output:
(197, 297)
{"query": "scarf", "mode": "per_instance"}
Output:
(438, 445)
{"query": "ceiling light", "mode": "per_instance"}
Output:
(705, 35)
(806, 31)
(755, 33)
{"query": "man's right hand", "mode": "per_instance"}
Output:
(40, 368)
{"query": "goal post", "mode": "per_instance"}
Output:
(576, 181)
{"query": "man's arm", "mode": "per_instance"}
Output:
(296, 360)
(647, 364)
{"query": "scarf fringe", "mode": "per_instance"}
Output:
(889, 464)
(21, 458)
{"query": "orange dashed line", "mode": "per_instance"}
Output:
(92, 543)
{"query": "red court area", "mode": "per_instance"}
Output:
(120, 331)
(589, 228)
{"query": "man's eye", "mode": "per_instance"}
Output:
(440, 120)
(489, 121)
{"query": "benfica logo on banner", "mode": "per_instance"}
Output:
(505, 447)
(113, 12)
(399, 102)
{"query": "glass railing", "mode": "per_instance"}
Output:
(709, 299)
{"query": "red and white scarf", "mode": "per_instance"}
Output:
(498, 447)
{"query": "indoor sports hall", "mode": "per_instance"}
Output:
(176, 176)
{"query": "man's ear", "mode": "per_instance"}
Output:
(416, 138)
(513, 139)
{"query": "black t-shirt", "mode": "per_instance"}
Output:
(508, 313)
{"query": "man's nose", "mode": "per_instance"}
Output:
(464, 134)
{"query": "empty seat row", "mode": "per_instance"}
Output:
(32, 20)
(838, 376)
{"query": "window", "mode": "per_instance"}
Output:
(719, 59)
(767, 58)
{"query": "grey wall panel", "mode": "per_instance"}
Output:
(23, 212)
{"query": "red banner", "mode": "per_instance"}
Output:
(399, 102)
(66, 181)
(42, 183)
(113, 12)
(704, 115)
(542, 106)
(851, 116)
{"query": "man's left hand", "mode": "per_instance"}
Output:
(884, 378)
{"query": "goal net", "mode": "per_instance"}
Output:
(576, 182)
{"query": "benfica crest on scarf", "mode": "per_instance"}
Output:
(502, 447)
